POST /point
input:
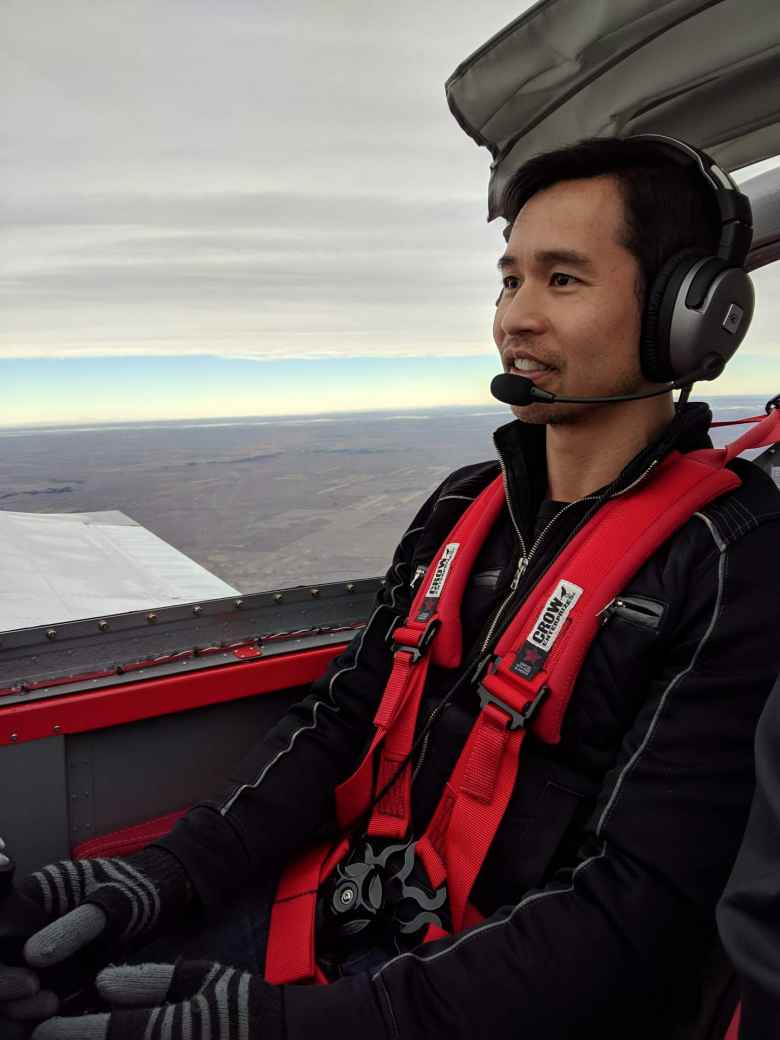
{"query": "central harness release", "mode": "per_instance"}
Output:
(528, 682)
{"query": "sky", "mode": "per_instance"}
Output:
(250, 208)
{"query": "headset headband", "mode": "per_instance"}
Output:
(736, 217)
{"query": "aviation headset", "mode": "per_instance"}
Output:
(699, 306)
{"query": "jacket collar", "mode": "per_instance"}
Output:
(521, 448)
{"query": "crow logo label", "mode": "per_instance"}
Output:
(442, 570)
(555, 611)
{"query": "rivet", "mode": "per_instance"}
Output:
(239, 603)
(57, 728)
(278, 598)
(315, 593)
(103, 626)
(14, 737)
(197, 611)
(151, 618)
(52, 633)
(350, 587)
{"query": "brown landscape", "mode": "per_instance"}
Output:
(262, 503)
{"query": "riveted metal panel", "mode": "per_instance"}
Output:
(86, 654)
(34, 813)
(132, 773)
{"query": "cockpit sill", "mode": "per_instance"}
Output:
(77, 656)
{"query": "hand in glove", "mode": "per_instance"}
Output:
(117, 899)
(22, 1001)
(112, 901)
(191, 1000)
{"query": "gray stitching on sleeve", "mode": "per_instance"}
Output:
(672, 685)
(751, 518)
(732, 521)
(256, 783)
(463, 498)
(332, 706)
(728, 520)
(307, 726)
(737, 518)
(716, 537)
(397, 566)
(480, 929)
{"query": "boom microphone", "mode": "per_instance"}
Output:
(518, 390)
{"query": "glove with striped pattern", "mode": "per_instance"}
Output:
(94, 906)
(118, 900)
(191, 1000)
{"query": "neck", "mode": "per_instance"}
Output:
(589, 450)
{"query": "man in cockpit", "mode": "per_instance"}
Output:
(594, 908)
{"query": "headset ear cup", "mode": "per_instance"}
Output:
(655, 347)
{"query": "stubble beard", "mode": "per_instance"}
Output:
(542, 414)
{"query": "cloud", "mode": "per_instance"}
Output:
(248, 180)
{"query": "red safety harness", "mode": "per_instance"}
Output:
(530, 678)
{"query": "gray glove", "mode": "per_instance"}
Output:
(118, 899)
(22, 1002)
(114, 900)
(190, 1000)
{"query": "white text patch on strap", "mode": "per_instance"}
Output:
(442, 570)
(552, 616)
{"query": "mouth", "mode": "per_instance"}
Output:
(528, 367)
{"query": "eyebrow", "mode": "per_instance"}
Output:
(547, 257)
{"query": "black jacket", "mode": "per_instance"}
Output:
(600, 888)
(749, 912)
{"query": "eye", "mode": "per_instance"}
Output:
(510, 281)
(556, 275)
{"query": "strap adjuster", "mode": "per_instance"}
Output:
(425, 641)
(518, 719)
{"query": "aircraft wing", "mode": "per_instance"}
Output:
(58, 567)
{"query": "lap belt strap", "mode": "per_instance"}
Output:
(529, 682)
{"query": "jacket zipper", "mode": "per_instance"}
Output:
(641, 610)
(525, 557)
(522, 567)
(525, 560)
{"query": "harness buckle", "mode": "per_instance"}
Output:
(418, 651)
(518, 719)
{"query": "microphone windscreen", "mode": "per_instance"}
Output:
(512, 389)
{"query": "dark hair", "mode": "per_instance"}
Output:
(667, 205)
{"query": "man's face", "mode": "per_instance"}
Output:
(569, 313)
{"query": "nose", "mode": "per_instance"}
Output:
(520, 313)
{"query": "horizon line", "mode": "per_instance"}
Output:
(490, 405)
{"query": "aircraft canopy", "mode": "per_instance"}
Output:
(706, 72)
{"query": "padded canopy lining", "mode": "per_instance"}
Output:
(707, 72)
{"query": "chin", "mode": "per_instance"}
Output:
(552, 414)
